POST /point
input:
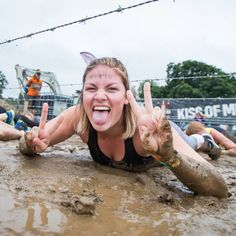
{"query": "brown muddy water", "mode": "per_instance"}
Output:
(63, 192)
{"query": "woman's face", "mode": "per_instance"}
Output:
(104, 97)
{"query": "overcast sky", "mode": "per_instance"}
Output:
(145, 38)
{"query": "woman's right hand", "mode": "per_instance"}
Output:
(154, 128)
(38, 139)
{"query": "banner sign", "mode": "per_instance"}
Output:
(219, 110)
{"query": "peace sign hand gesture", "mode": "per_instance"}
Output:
(154, 129)
(38, 139)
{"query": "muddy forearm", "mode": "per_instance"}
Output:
(199, 177)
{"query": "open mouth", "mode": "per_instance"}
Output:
(101, 108)
(100, 114)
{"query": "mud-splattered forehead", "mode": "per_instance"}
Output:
(112, 63)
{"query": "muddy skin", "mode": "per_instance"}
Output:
(200, 177)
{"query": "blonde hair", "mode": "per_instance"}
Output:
(119, 68)
(195, 127)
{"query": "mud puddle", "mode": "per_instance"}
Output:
(63, 192)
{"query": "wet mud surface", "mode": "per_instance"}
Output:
(63, 192)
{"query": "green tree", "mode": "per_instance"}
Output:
(184, 90)
(3, 83)
(204, 80)
(156, 91)
(194, 79)
(219, 87)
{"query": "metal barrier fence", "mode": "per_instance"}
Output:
(56, 104)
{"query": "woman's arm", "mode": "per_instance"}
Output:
(50, 133)
(66, 128)
(194, 171)
(159, 140)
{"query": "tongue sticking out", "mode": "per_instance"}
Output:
(100, 117)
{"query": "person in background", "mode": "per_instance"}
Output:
(200, 117)
(25, 121)
(7, 116)
(202, 142)
(8, 132)
(121, 133)
(33, 88)
(19, 121)
(226, 133)
(229, 147)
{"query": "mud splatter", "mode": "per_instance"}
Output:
(64, 192)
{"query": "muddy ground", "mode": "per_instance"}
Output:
(63, 192)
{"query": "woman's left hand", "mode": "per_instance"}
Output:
(154, 129)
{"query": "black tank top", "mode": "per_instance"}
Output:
(132, 161)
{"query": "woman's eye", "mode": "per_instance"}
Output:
(90, 89)
(112, 89)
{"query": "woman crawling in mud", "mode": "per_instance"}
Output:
(122, 133)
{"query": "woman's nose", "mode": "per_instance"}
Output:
(100, 94)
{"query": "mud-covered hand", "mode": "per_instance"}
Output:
(154, 129)
(38, 138)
